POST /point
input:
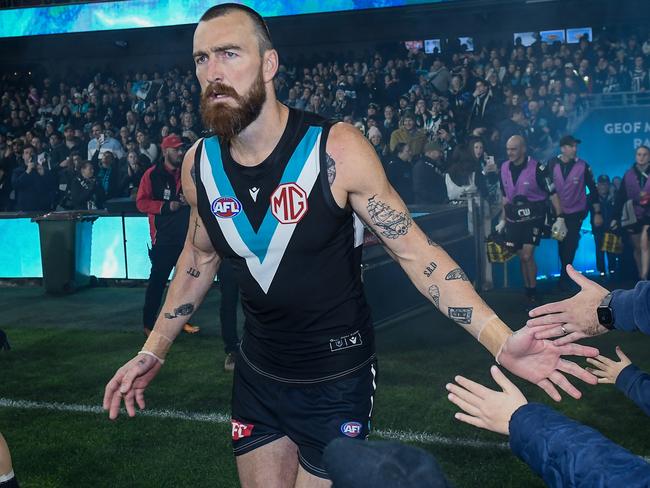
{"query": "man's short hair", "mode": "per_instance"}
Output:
(261, 29)
(516, 111)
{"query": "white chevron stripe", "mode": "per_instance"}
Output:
(264, 271)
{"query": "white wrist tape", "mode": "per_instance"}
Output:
(493, 334)
(157, 344)
(149, 353)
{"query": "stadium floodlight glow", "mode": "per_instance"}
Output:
(135, 14)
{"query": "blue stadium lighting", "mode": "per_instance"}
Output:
(135, 14)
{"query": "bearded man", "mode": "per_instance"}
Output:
(282, 195)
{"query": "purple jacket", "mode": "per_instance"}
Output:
(526, 183)
(571, 190)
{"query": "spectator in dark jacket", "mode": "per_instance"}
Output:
(86, 192)
(399, 171)
(560, 450)
(33, 183)
(429, 177)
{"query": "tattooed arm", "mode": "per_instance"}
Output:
(195, 272)
(361, 183)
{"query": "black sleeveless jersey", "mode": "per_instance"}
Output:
(296, 254)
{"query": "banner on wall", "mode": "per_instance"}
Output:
(611, 135)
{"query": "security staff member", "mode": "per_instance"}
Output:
(526, 186)
(570, 176)
(161, 197)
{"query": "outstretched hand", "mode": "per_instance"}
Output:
(571, 319)
(129, 384)
(485, 408)
(608, 370)
(540, 362)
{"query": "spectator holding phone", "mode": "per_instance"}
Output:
(33, 183)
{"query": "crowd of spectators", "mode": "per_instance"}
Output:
(74, 143)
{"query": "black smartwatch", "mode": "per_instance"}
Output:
(605, 313)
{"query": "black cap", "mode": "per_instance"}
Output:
(569, 141)
(603, 179)
(352, 463)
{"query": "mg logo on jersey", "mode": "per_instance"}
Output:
(289, 203)
(240, 430)
(226, 207)
(351, 429)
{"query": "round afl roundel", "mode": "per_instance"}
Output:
(289, 203)
(226, 207)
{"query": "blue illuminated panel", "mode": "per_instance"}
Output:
(135, 14)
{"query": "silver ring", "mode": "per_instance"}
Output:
(564, 330)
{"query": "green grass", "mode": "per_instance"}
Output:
(65, 349)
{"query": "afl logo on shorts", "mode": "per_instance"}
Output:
(351, 429)
(289, 203)
(226, 207)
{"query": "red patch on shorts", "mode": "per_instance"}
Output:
(240, 429)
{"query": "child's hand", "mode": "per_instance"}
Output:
(606, 369)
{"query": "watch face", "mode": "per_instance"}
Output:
(605, 316)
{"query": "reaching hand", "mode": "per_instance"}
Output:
(598, 220)
(540, 362)
(608, 370)
(485, 408)
(129, 383)
(573, 318)
(500, 227)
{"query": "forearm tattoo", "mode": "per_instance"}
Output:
(193, 272)
(193, 174)
(460, 315)
(432, 243)
(183, 310)
(456, 274)
(431, 267)
(196, 227)
(434, 293)
(331, 168)
(389, 222)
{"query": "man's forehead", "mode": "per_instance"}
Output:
(232, 28)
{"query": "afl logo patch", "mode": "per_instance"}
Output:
(289, 203)
(351, 429)
(226, 207)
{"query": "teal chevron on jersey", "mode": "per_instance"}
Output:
(258, 242)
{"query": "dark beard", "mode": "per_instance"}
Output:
(226, 121)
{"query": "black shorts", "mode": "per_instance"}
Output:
(637, 227)
(520, 233)
(264, 410)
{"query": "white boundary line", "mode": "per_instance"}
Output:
(222, 418)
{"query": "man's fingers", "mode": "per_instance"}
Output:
(502, 380)
(578, 350)
(550, 390)
(548, 319)
(569, 338)
(139, 398)
(560, 380)
(129, 378)
(549, 331)
(478, 390)
(464, 405)
(555, 307)
(110, 389)
(578, 279)
(116, 400)
(468, 419)
(573, 369)
(128, 403)
(605, 381)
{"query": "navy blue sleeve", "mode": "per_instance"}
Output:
(635, 384)
(566, 453)
(632, 308)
